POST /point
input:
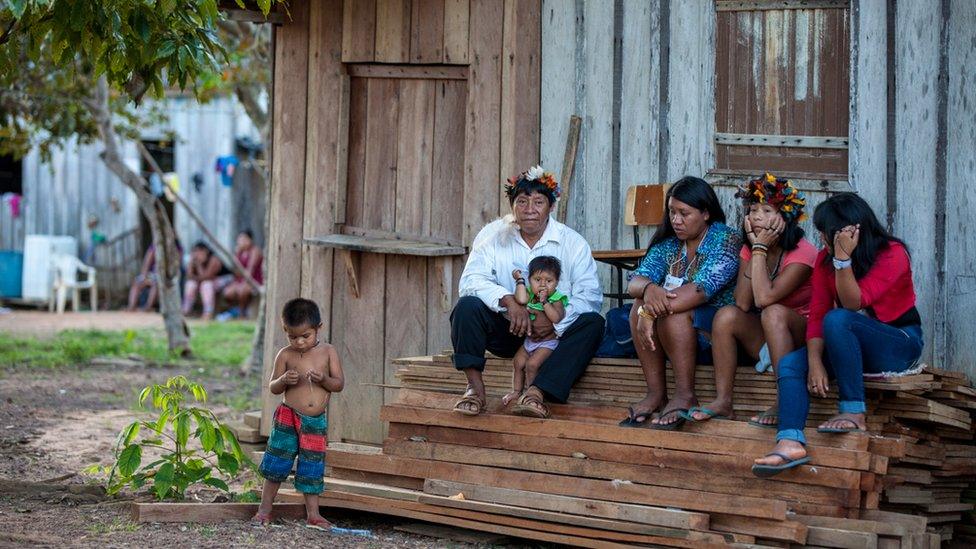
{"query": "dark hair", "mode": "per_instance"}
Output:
(792, 231)
(845, 209)
(301, 312)
(526, 187)
(545, 263)
(201, 245)
(694, 192)
(248, 233)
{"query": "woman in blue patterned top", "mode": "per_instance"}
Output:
(688, 273)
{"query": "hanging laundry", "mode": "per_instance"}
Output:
(13, 202)
(172, 186)
(155, 184)
(197, 180)
(226, 165)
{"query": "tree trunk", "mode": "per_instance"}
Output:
(164, 238)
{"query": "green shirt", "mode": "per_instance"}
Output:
(556, 297)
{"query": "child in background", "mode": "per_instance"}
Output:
(307, 372)
(542, 297)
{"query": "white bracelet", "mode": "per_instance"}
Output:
(842, 263)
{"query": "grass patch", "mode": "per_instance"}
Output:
(213, 344)
(117, 525)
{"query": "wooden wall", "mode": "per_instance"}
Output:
(392, 118)
(642, 76)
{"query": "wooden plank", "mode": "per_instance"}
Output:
(461, 535)
(521, 46)
(569, 167)
(605, 470)
(756, 5)
(427, 31)
(576, 520)
(414, 157)
(384, 246)
(379, 479)
(559, 87)
(728, 466)
(687, 539)
(869, 93)
(284, 250)
(406, 316)
(655, 516)
(691, 85)
(758, 140)
(358, 31)
(369, 489)
(341, 184)
(456, 18)
(422, 72)
(356, 178)
(363, 359)
(787, 530)
(536, 482)
(381, 154)
(209, 512)
(834, 537)
(392, 31)
(482, 184)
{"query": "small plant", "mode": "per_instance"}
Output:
(171, 432)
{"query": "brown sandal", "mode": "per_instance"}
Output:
(470, 404)
(531, 405)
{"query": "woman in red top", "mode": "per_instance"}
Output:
(239, 293)
(772, 294)
(863, 268)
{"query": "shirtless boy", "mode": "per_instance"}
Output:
(307, 371)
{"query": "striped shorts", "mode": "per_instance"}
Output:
(295, 435)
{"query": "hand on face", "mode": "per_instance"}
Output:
(543, 285)
(845, 240)
(769, 235)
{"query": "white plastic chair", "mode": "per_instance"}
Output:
(65, 269)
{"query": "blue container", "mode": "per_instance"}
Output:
(11, 278)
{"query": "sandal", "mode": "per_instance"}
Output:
(674, 425)
(470, 404)
(854, 429)
(765, 471)
(709, 414)
(758, 422)
(530, 405)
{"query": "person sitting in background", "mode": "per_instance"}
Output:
(239, 292)
(145, 280)
(207, 275)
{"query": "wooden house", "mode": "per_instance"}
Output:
(74, 194)
(396, 122)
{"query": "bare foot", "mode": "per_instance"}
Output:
(789, 448)
(509, 397)
(718, 407)
(769, 417)
(317, 522)
(261, 518)
(670, 413)
(845, 421)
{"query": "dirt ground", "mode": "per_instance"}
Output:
(55, 422)
(37, 323)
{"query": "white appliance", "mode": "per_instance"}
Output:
(37, 276)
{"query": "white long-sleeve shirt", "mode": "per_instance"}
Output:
(499, 249)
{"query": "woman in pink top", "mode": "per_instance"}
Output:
(238, 293)
(772, 294)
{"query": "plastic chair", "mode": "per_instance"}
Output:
(65, 269)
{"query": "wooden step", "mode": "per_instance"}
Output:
(253, 419)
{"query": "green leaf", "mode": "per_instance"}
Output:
(163, 480)
(145, 394)
(264, 6)
(161, 422)
(182, 429)
(208, 435)
(232, 440)
(199, 392)
(130, 433)
(216, 483)
(227, 463)
(129, 459)
(17, 7)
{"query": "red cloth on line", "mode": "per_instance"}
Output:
(887, 288)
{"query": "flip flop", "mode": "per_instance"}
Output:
(854, 429)
(712, 414)
(765, 471)
(673, 426)
(632, 421)
(322, 525)
(764, 415)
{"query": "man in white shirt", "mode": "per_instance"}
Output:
(487, 316)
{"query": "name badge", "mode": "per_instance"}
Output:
(672, 282)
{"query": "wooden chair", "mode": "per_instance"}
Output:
(644, 208)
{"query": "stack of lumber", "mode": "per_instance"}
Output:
(579, 479)
(620, 381)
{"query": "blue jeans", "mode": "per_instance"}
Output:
(853, 344)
